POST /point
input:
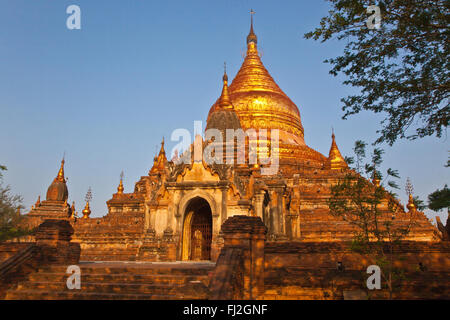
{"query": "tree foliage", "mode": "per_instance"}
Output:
(440, 199)
(401, 69)
(371, 209)
(9, 217)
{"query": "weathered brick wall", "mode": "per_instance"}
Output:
(295, 270)
(435, 256)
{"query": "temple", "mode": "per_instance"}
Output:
(177, 210)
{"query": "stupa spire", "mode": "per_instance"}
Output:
(160, 161)
(87, 210)
(162, 150)
(120, 188)
(253, 76)
(57, 191)
(224, 100)
(335, 159)
(252, 38)
(60, 176)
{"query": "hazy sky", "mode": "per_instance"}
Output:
(137, 70)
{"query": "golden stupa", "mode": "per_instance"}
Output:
(177, 210)
(261, 104)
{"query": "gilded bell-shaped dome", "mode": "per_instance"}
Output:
(58, 189)
(260, 103)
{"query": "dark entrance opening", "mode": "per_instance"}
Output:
(197, 233)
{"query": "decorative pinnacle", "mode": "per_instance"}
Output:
(409, 187)
(86, 211)
(73, 213)
(224, 100)
(120, 188)
(409, 190)
(252, 36)
(335, 158)
(60, 176)
(88, 197)
(162, 147)
(225, 76)
(334, 148)
(376, 180)
(38, 202)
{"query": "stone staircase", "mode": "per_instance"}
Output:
(119, 281)
(9, 249)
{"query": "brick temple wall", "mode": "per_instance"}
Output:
(435, 256)
(308, 270)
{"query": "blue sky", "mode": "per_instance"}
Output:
(137, 70)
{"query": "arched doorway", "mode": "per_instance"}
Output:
(197, 230)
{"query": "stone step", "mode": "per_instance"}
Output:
(121, 278)
(303, 293)
(74, 295)
(91, 269)
(87, 256)
(190, 289)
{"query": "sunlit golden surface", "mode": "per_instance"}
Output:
(261, 104)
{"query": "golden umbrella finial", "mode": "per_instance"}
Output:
(409, 190)
(162, 150)
(225, 76)
(252, 36)
(72, 210)
(87, 210)
(120, 188)
(376, 179)
(60, 176)
(224, 100)
(411, 205)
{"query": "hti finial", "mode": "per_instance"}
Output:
(60, 176)
(252, 36)
(224, 100)
(88, 197)
(225, 76)
(409, 187)
(411, 206)
(87, 210)
(120, 188)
